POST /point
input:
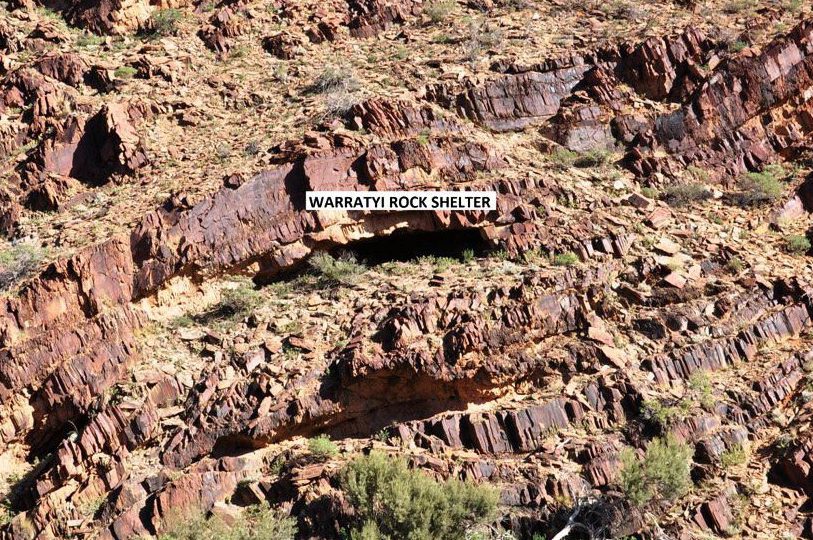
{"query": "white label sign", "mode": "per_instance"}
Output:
(400, 200)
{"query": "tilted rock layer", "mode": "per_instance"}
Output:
(628, 286)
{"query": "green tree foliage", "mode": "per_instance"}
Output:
(395, 502)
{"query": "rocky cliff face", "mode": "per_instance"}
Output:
(172, 332)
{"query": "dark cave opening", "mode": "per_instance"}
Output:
(406, 245)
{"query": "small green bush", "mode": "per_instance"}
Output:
(735, 265)
(683, 194)
(649, 192)
(700, 386)
(439, 10)
(256, 523)
(564, 158)
(125, 72)
(567, 258)
(240, 301)
(664, 473)
(761, 187)
(700, 175)
(342, 270)
(18, 262)
(797, 244)
(593, 158)
(467, 256)
(164, 22)
(393, 502)
(736, 455)
(439, 264)
(664, 416)
(322, 446)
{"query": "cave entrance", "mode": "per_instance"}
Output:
(406, 246)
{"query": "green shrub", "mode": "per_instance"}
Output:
(125, 72)
(467, 256)
(567, 258)
(322, 446)
(735, 265)
(761, 187)
(664, 416)
(393, 502)
(593, 158)
(342, 270)
(797, 244)
(664, 473)
(240, 301)
(736, 455)
(737, 6)
(18, 262)
(164, 22)
(439, 264)
(439, 10)
(700, 386)
(649, 192)
(684, 194)
(633, 480)
(564, 158)
(700, 175)
(256, 523)
(88, 40)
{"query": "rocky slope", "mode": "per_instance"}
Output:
(166, 344)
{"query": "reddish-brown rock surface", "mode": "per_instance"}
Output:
(174, 325)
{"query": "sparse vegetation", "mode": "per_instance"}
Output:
(439, 264)
(439, 11)
(736, 455)
(18, 262)
(698, 174)
(240, 301)
(125, 72)
(684, 194)
(334, 78)
(337, 84)
(739, 6)
(567, 258)
(481, 37)
(735, 265)
(394, 502)
(322, 447)
(343, 270)
(88, 40)
(467, 256)
(564, 158)
(163, 22)
(761, 187)
(663, 416)
(700, 389)
(256, 523)
(663, 473)
(797, 244)
(649, 192)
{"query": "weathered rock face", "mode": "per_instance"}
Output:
(360, 18)
(89, 151)
(750, 109)
(514, 101)
(532, 379)
(68, 68)
(224, 24)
